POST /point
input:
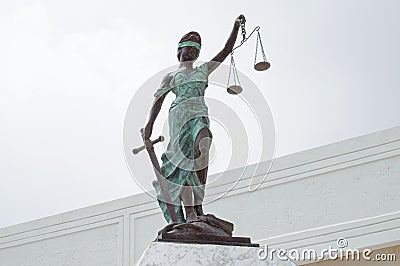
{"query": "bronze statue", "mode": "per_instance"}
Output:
(193, 138)
(182, 177)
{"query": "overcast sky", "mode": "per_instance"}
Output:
(68, 70)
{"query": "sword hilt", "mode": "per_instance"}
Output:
(139, 149)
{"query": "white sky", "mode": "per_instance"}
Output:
(68, 70)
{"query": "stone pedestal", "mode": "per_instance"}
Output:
(182, 254)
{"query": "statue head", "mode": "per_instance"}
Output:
(189, 47)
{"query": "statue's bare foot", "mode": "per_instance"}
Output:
(191, 217)
(190, 214)
(199, 210)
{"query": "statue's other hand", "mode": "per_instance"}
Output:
(241, 18)
(147, 131)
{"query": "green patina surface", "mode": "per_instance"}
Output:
(188, 114)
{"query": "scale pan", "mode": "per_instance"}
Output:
(261, 66)
(234, 89)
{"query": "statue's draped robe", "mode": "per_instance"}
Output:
(188, 114)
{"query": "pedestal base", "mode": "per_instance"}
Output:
(206, 229)
(197, 238)
(179, 254)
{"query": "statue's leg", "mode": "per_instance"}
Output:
(202, 147)
(187, 198)
(163, 206)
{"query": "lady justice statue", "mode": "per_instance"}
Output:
(185, 161)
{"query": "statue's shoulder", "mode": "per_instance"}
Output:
(167, 79)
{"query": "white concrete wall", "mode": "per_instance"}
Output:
(348, 189)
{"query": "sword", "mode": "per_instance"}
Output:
(137, 150)
(148, 145)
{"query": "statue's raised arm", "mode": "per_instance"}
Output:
(223, 54)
